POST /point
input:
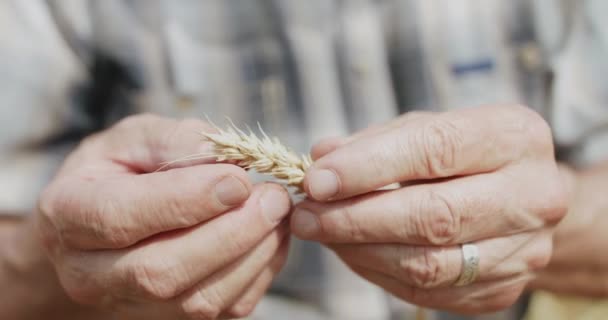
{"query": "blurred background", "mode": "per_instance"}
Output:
(304, 70)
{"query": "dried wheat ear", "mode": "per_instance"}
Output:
(263, 154)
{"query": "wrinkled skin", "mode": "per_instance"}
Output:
(196, 241)
(486, 176)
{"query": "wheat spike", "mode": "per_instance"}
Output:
(265, 155)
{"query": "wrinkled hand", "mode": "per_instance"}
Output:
(579, 265)
(197, 241)
(485, 176)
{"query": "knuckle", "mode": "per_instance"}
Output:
(389, 155)
(338, 222)
(64, 217)
(242, 309)
(542, 254)
(556, 204)
(537, 131)
(351, 228)
(234, 242)
(152, 278)
(437, 223)
(105, 228)
(113, 236)
(54, 205)
(47, 203)
(200, 307)
(79, 283)
(80, 295)
(47, 218)
(441, 143)
(60, 216)
(423, 268)
(81, 291)
(353, 232)
(186, 212)
(540, 261)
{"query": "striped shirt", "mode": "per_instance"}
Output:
(305, 70)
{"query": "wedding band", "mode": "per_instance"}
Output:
(470, 265)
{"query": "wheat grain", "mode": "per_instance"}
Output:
(265, 155)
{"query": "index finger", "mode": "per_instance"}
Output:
(430, 146)
(119, 211)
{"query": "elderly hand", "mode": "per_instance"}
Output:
(197, 241)
(579, 265)
(483, 176)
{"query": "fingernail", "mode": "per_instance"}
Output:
(323, 184)
(304, 223)
(231, 191)
(275, 204)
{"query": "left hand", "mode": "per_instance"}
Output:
(485, 176)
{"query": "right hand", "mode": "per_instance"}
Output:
(197, 241)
